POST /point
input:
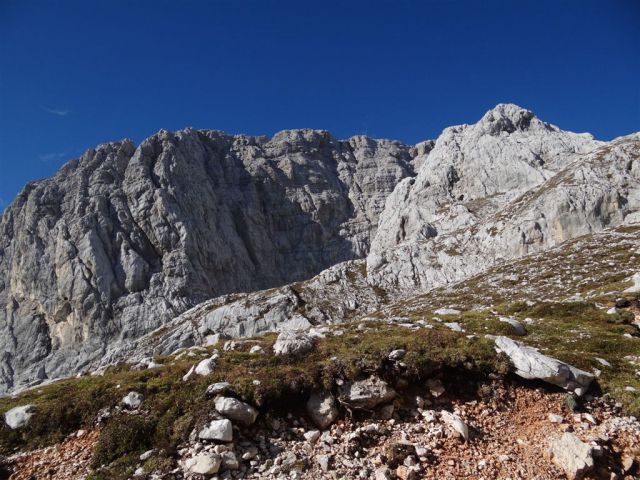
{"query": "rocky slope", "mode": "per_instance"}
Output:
(124, 239)
(111, 259)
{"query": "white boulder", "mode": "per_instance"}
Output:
(18, 417)
(531, 364)
(293, 343)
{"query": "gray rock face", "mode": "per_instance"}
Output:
(130, 252)
(531, 364)
(507, 186)
(124, 239)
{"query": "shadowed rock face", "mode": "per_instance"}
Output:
(123, 239)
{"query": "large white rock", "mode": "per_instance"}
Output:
(367, 394)
(572, 455)
(293, 343)
(221, 430)
(236, 410)
(18, 417)
(203, 463)
(322, 409)
(531, 364)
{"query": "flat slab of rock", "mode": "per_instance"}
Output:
(322, 409)
(367, 394)
(221, 430)
(293, 343)
(531, 364)
(572, 455)
(18, 417)
(236, 410)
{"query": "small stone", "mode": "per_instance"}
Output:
(146, 455)
(383, 473)
(217, 389)
(435, 387)
(322, 409)
(456, 423)
(312, 436)
(236, 410)
(324, 462)
(396, 355)
(132, 400)
(221, 430)
(405, 473)
(553, 418)
(203, 464)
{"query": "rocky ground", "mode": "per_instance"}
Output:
(507, 431)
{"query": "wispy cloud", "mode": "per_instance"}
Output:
(61, 112)
(52, 156)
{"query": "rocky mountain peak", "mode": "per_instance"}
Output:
(508, 117)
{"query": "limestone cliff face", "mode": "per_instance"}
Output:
(502, 188)
(124, 239)
(129, 252)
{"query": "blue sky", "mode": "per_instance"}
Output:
(77, 73)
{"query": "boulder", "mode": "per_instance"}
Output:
(531, 364)
(132, 400)
(322, 409)
(572, 455)
(293, 343)
(203, 464)
(205, 367)
(18, 417)
(367, 394)
(236, 410)
(221, 430)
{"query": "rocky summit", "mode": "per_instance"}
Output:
(206, 305)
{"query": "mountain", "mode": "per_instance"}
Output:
(125, 238)
(226, 306)
(111, 251)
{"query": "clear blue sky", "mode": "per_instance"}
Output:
(77, 73)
